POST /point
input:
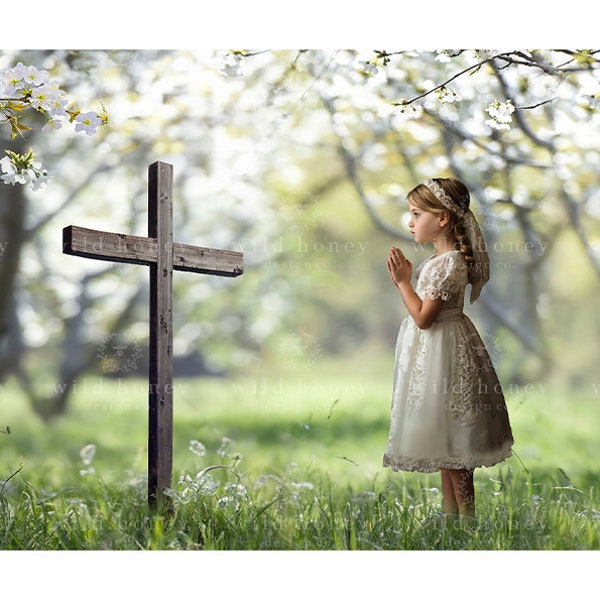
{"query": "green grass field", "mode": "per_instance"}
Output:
(296, 460)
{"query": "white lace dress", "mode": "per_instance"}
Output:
(448, 409)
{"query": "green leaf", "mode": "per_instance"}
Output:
(17, 106)
(17, 128)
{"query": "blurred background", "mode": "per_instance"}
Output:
(302, 160)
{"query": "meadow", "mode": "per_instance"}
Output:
(286, 461)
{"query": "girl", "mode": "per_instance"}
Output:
(448, 409)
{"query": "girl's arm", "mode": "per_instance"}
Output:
(423, 312)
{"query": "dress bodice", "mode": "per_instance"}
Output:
(444, 276)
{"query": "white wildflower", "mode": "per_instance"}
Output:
(87, 454)
(237, 489)
(364, 498)
(536, 500)
(206, 485)
(302, 485)
(197, 448)
(201, 485)
(227, 501)
(224, 447)
(236, 495)
(589, 513)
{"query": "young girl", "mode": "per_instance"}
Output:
(448, 409)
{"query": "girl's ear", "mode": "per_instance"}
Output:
(444, 218)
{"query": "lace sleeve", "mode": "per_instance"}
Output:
(445, 276)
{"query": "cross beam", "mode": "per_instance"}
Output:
(119, 247)
(162, 256)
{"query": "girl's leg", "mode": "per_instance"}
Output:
(464, 491)
(450, 503)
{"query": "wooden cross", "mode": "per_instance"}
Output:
(162, 255)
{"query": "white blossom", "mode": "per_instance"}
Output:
(232, 67)
(13, 79)
(496, 125)
(49, 98)
(35, 76)
(87, 122)
(367, 67)
(23, 170)
(447, 95)
(52, 124)
(41, 180)
(12, 174)
(27, 87)
(9, 169)
(500, 113)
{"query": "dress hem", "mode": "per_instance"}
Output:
(431, 465)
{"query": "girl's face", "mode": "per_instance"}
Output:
(424, 226)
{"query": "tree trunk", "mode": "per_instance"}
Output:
(13, 208)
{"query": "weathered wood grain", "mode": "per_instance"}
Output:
(125, 248)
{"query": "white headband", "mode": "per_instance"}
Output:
(440, 194)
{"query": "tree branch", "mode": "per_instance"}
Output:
(445, 83)
(349, 162)
(519, 115)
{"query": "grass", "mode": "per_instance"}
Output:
(286, 461)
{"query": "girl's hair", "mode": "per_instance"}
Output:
(425, 199)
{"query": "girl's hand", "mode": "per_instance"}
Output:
(399, 266)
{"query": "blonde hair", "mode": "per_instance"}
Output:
(423, 198)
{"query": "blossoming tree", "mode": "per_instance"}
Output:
(26, 88)
(273, 141)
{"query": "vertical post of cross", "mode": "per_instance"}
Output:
(160, 399)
